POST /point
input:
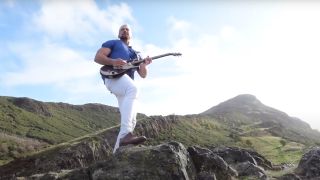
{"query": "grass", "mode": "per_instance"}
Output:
(275, 174)
(47, 123)
(273, 150)
(202, 132)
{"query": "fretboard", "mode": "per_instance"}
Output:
(136, 62)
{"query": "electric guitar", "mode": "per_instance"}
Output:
(111, 72)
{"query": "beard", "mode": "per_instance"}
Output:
(124, 36)
(125, 39)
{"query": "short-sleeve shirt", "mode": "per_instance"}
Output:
(119, 49)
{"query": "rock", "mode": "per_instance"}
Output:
(74, 156)
(249, 169)
(32, 106)
(166, 161)
(234, 155)
(309, 165)
(289, 177)
(246, 162)
(209, 163)
(206, 176)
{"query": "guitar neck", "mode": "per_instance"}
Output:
(160, 56)
(154, 57)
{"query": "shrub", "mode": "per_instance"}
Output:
(283, 142)
(248, 142)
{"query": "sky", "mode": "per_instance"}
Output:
(269, 49)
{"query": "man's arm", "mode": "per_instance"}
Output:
(103, 59)
(143, 70)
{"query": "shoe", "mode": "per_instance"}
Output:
(131, 139)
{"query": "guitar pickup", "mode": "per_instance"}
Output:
(126, 66)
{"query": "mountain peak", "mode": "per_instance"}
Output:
(246, 101)
(247, 109)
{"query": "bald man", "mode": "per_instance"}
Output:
(118, 53)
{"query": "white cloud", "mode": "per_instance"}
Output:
(178, 28)
(80, 21)
(50, 64)
(51, 58)
(196, 75)
(227, 32)
(10, 3)
(178, 25)
(279, 67)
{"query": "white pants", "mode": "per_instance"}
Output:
(126, 91)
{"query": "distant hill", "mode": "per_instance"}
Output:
(248, 110)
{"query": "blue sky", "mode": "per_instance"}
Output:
(269, 49)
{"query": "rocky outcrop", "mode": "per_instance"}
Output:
(209, 165)
(169, 161)
(246, 162)
(152, 128)
(80, 154)
(31, 105)
(235, 155)
(165, 161)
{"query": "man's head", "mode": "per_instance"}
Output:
(124, 33)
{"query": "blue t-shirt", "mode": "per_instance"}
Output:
(121, 50)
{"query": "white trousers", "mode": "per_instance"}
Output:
(126, 91)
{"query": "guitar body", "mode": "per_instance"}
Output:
(111, 72)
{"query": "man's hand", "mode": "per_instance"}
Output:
(143, 67)
(118, 62)
(147, 61)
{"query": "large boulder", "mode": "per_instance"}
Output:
(235, 155)
(168, 161)
(71, 156)
(209, 165)
(309, 165)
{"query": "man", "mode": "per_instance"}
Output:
(118, 53)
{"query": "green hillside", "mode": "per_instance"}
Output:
(27, 125)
